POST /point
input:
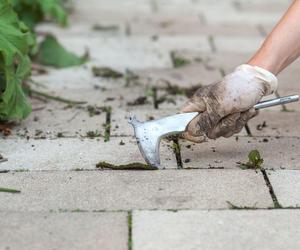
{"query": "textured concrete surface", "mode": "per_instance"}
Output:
(286, 185)
(49, 230)
(114, 190)
(231, 229)
(165, 49)
(277, 152)
(70, 153)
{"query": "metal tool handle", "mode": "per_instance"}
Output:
(277, 101)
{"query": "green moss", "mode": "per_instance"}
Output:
(9, 190)
(130, 166)
(92, 134)
(22, 170)
(129, 224)
(106, 72)
(232, 206)
(178, 61)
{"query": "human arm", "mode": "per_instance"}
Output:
(226, 106)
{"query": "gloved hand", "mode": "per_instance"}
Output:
(226, 106)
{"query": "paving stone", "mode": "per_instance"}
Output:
(52, 120)
(286, 184)
(278, 123)
(263, 7)
(69, 153)
(281, 152)
(133, 53)
(63, 230)
(278, 229)
(188, 76)
(227, 61)
(189, 24)
(237, 44)
(115, 190)
(68, 78)
(216, 16)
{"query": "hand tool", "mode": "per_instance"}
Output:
(148, 134)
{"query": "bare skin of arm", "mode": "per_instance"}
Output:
(282, 45)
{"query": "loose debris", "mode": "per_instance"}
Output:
(5, 129)
(9, 190)
(141, 100)
(2, 159)
(94, 110)
(261, 126)
(130, 166)
(255, 161)
(93, 134)
(100, 27)
(106, 72)
(178, 61)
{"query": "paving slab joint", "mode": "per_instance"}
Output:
(129, 224)
(271, 189)
(177, 151)
(212, 44)
(107, 124)
(248, 130)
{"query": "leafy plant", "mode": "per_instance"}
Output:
(51, 53)
(254, 160)
(18, 19)
(15, 42)
(32, 12)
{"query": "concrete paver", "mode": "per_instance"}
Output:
(225, 153)
(46, 230)
(72, 153)
(115, 190)
(235, 229)
(272, 122)
(286, 185)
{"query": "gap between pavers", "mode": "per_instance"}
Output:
(227, 229)
(127, 190)
(70, 153)
(49, 230)
(286, 185)
(278, 153)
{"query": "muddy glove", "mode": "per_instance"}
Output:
(226, 106)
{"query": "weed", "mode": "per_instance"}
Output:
(255, 161)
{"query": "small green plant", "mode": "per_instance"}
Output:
(255, 160)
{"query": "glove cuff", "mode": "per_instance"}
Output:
(265, 76)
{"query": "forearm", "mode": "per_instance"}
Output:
(282, 46)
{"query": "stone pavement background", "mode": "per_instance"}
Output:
(202, 200)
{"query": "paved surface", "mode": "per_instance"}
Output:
(203, 199)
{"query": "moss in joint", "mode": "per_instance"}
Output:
(130, 166)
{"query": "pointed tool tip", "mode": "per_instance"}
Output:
(133, 121)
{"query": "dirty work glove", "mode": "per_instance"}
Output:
(226, 106)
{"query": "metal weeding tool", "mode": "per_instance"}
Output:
(149, 133)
